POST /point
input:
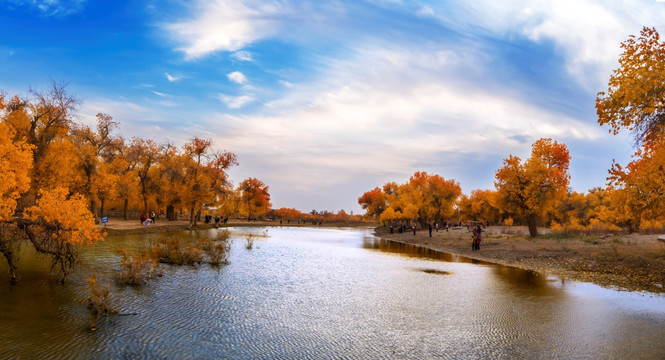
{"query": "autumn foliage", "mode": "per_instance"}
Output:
(527, 190)
(57, 177)
(636, 90)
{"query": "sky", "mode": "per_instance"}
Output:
(324, 100)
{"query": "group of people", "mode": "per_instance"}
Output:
(209, 219)
(146, 219)
(475, 237)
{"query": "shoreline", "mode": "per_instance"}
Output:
(632, 262)
(127, 227)
(622, 262)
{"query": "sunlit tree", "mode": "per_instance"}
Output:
(527, 190)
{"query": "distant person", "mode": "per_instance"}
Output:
(414, 229)
(436, 226)
(430, 230)
(391, 229)
(152, 217)
(476, 237)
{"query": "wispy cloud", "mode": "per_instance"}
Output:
(242, 56)
(237, 77)
(586, 32)
(236, 102)
(172, 78)
(55, 8)
(160, 94)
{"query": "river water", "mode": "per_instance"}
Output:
(305, 293)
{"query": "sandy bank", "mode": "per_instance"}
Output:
(630, 262)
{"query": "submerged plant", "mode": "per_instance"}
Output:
(173, 251)
(137, 269)
(100, 302)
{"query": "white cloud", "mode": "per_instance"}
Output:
(172, 78)
(425, 11)
(57, 8)
(588, 32)
(384, 113)
(226, 25)
(160, 94)
(237, 77)
(286, 83)
(236, 102)
(242, 56)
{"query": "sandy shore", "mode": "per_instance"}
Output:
(629, 262)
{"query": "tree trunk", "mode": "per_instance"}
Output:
(93, 210)
(145, 204)
(192, 217)
(124, 208)
(533, 229)
(170, 213)
(101, 208)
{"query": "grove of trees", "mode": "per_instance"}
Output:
(58, 177)
(535, 191)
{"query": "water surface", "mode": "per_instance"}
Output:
(326, 294)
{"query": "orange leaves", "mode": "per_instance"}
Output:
(65, 218)
(528, 190)
(424, 198)
(374, 202)
(15, 166)
(255, 196)
(634, 99)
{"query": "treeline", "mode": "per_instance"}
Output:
(535, 192)
(291, 214)
(58, 176)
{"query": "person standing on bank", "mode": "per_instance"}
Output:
(430, 230)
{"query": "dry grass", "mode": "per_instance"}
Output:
(173, 251)
(137, 269)
(218, 249)
(100, 302)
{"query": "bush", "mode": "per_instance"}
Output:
(218, 251)
(100, 301)
(172, 251)
(137, 269)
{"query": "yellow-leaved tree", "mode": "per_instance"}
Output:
(528, 190)
(635, 99)
(37, 180)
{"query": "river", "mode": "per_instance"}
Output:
(306, 293)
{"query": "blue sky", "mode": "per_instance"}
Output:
(323, 101)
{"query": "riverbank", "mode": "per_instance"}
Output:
(628, 262)
(120, 226)
(631, 262)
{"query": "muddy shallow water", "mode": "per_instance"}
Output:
(323, 293)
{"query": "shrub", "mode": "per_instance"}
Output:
(137, 269)
(100, 301)
(172, 251)
(218, 250)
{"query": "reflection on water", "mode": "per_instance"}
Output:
(321, 293)
(411, 250)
